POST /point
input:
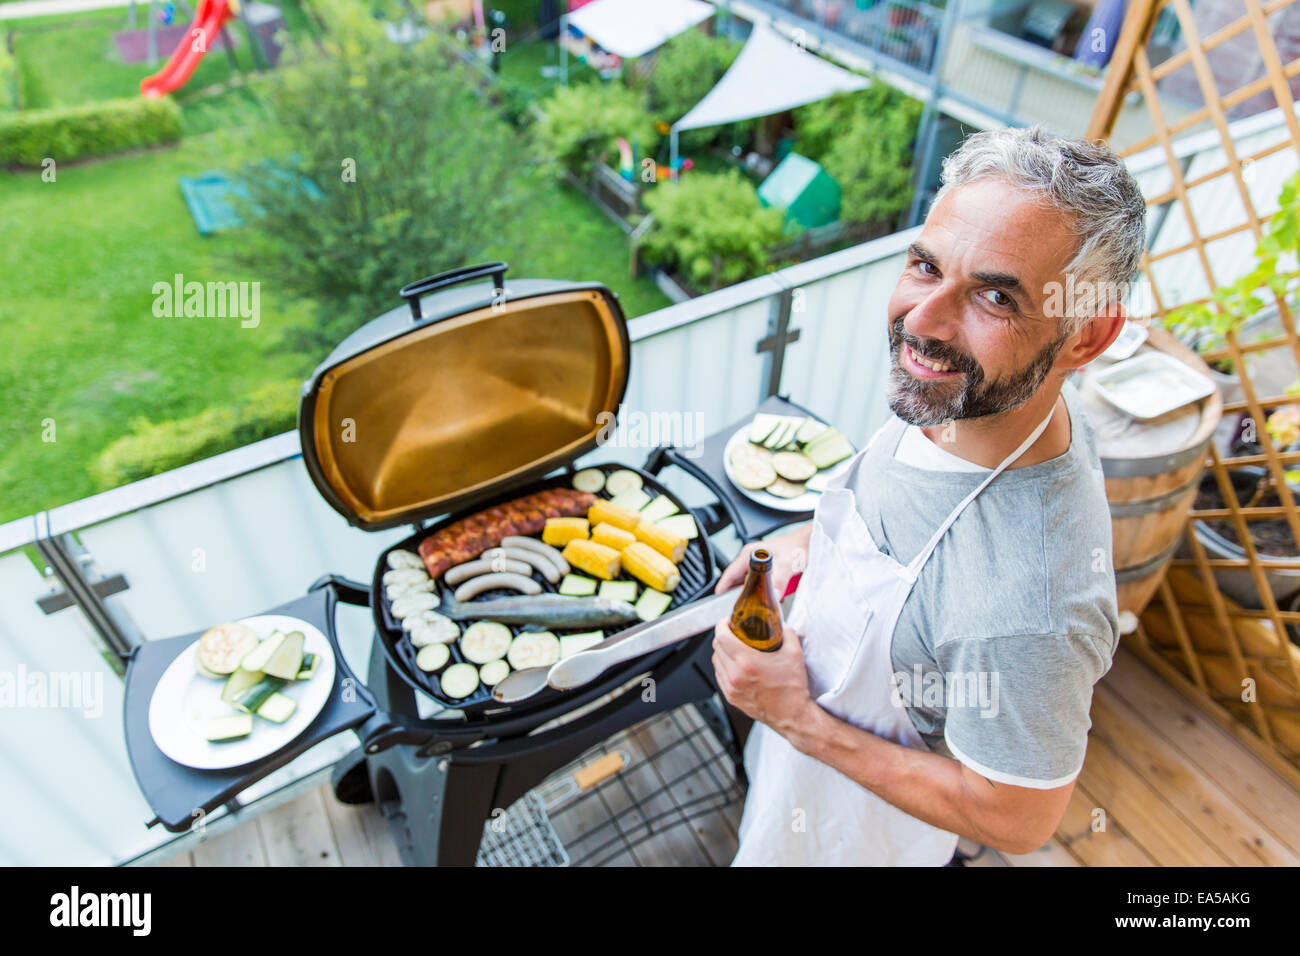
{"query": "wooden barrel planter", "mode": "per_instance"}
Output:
(1152, 470)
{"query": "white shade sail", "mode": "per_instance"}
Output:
(771, 74)
(635, 27)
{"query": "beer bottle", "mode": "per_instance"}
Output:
(756, 619)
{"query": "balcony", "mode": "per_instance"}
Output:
(232, 535)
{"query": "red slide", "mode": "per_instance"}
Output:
(209, 17)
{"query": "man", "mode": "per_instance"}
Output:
(958, 601)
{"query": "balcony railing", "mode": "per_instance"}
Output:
(235, 534)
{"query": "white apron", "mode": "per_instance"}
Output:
(800, 811)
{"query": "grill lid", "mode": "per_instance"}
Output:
(470, 391)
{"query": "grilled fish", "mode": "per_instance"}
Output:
(550, 610)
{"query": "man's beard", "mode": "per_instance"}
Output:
(926, 402)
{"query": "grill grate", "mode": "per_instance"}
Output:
(675, 802)
(696, 569)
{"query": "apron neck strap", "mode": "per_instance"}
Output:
(919, 561)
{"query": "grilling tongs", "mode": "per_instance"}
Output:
(585, 666)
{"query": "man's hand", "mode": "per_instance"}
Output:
(770, 686)
(789, 557)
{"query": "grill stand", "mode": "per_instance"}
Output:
(417, 794)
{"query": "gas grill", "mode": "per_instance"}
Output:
(472, 395)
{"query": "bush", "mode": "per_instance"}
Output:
(865, 140)
(687, 67)
(712, 228)
(94, 129)
(151, 449)
(582, 122)
(402, 171)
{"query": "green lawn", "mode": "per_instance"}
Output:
(80, 344)
(71, 59)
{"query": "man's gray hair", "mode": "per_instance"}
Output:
(1087, 182)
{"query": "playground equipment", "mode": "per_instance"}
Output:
(209, 19)
(261, 21)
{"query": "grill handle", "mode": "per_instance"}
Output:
(412, 291)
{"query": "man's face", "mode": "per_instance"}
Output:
(968, 335)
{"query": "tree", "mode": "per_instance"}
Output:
(712, 228)
(384, 165)
(865, 140)
(685, 69)
(582, 122)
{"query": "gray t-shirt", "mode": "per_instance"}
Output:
(1013, 619)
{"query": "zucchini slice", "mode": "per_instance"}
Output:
(762, 426)
(309, 664)
(589, 479)
(619, 591)
(277, 708)
(251, 700)
(827, 453)
(493, 672)
(459, 681)
(533, 649)
(578, 585)
(661, 507)
(809, 430)
(237, 683)
(485, 641)
(681, 525)
(652, 604)
(622, 481)
(255, 660)
(286, 662)
(571, 644)
(634, 499)
(433, 657)
(220, 730)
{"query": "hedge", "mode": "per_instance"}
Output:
(8, 75)
(152, 448)
(95, 129)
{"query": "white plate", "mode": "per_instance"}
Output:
(805, 502)
(1128, 341)
(184, 699)
(1151, 385)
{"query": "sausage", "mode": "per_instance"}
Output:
(487, 582)
(541, 548)
(485, 565)
(533, 559)
(466, 539)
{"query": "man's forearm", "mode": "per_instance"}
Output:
(925, 785)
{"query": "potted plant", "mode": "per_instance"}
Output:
(1236, 308)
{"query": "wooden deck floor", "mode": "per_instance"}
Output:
(1163, 784)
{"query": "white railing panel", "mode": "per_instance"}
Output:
(67, 796)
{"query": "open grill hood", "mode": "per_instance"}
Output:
(470, 391)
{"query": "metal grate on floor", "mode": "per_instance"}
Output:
(522, 836)
(674, 802)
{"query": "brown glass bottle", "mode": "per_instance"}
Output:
(756, 619)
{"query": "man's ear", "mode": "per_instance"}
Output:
(1095, 337)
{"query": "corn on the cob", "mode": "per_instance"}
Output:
(671, 546)
(650, 567)
(602, 512)
(560, 531)
(608, 534)
(599, 560)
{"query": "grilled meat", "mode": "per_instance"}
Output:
(469, 537)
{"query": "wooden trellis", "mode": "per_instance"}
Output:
(1239, 661)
